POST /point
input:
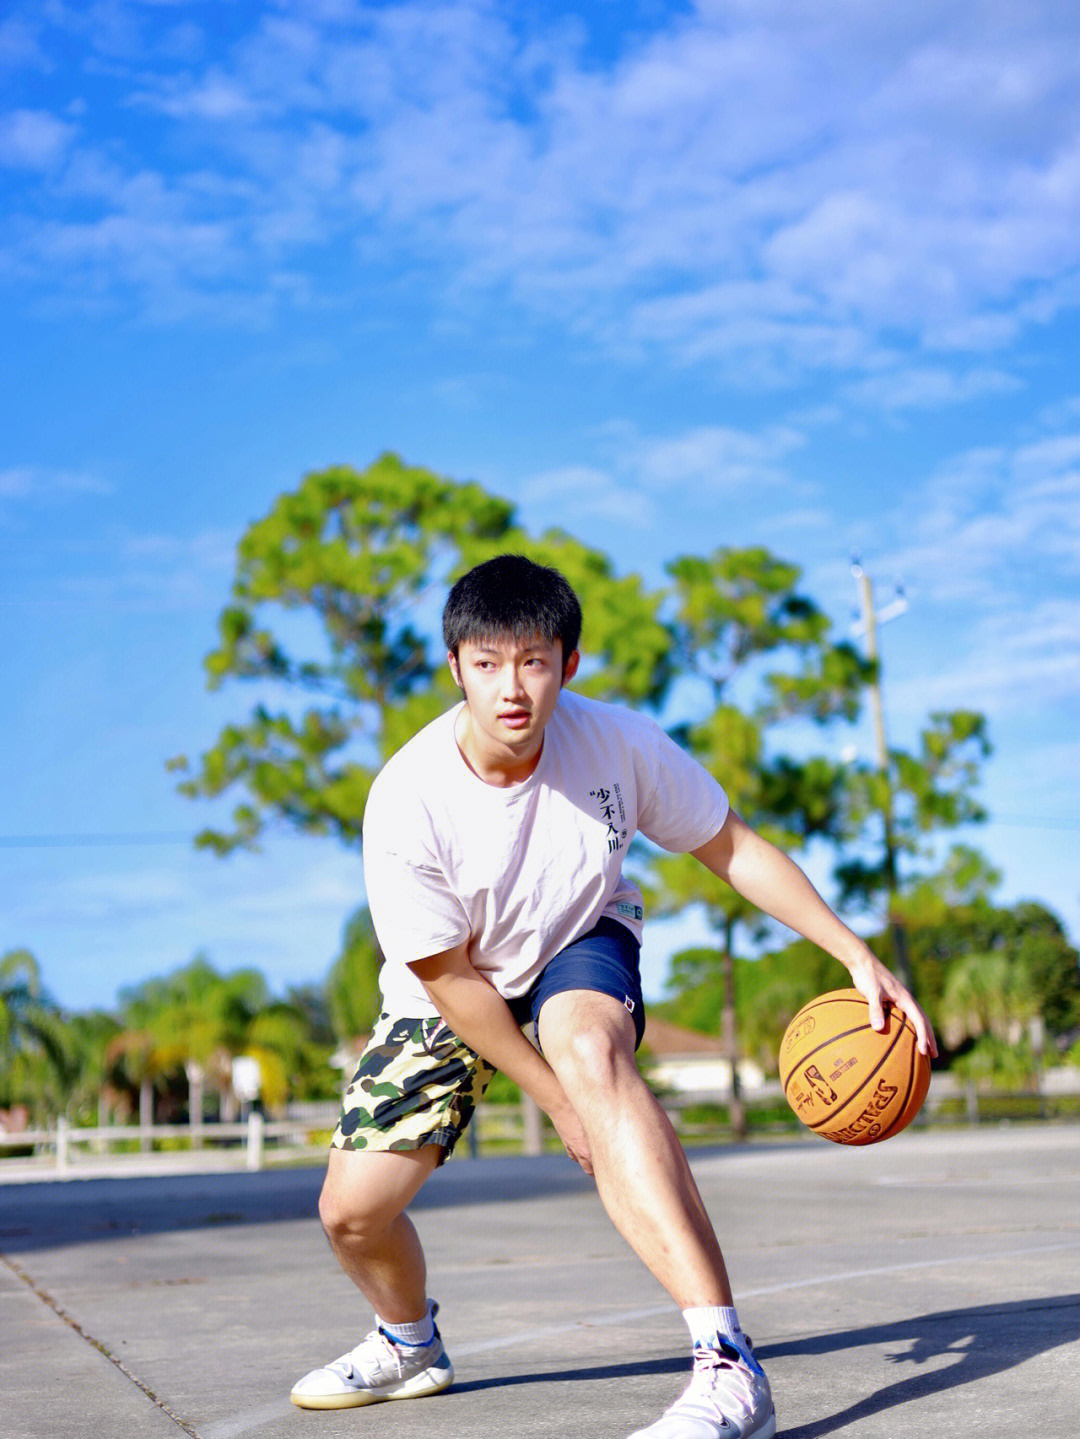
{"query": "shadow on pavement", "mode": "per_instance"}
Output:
(629, 1370)
(43, 1215)
(983, 1341)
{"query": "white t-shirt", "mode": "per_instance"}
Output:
(520, 872)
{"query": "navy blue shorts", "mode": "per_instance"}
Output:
(606, 960)
(418, 1084)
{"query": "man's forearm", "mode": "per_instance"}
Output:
(479, 1016)
(774, 883)
(777, 886)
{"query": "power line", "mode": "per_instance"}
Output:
(91, 841)
(102, 841)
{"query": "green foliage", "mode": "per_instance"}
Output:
(1000, 1063)
(351, 566)
(87, 1039)
(36, 1063)
(763, 652)
(1026, 969)
(196, 1011)
(965, 882)
(828, 687)
(916, 796)
(988, 995)
(332, 623)
(502, 1090)
(184, 1029)
(990, 978)
(626, 648)
(769, 992)
(352, 986)
(737, 604)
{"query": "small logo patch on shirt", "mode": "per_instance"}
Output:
(630, 911)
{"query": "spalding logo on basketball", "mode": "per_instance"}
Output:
(847, 1081)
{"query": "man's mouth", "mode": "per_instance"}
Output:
(516, 719)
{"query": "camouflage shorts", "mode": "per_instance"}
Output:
(416, 1084)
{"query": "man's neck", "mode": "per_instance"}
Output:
(497, 765)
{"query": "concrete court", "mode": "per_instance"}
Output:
(928, 1286)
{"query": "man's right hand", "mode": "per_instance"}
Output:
(479, 1015)
(569, 1129)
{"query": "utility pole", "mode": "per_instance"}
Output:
(871, 618)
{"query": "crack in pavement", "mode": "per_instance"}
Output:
(102, 1348)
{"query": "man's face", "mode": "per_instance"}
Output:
(511, 689)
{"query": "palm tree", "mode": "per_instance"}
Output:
(133, 1060)
(988, 994)
(89, 1036)
(34, 1060)
(991, 999)
(199, 1020)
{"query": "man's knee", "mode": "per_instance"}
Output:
(591, 1049)
(363, 1193)
(346, 1213)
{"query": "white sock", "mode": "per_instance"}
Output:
(709, 1321)
(419, 1331)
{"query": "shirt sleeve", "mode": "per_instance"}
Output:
(681, 806)
(414, 911)
(413, 908)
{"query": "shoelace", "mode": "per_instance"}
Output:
(712, 1368)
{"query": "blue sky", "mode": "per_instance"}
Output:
(669, 275)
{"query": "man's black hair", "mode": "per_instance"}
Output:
(511, 596)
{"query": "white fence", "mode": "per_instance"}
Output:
(70, 1149)
(65, 1152)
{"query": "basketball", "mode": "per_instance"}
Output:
(846, 1081)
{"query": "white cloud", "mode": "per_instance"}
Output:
(101, 926)
(588, 492)
(152, 572)
(1008, 658)
(641, 476)
(917, 387)
(45, 485)
(20, 43)
(905, 169)
(989, 551)
(33, 139)
(113, 896)
(717, 457)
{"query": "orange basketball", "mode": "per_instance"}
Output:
(848, 1082)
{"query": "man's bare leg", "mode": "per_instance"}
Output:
(362, 1210)
(648, 1191)
(642, 1173)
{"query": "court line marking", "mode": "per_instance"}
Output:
(626, 1316)
(245, 1422)
(255, 1418)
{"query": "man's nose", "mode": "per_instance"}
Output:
(511, 682)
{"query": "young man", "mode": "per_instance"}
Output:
(493, 849)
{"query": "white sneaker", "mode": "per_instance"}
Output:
(728, 1398)
(376, 1369)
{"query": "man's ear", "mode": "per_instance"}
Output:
(572, 662)
(451, 660)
